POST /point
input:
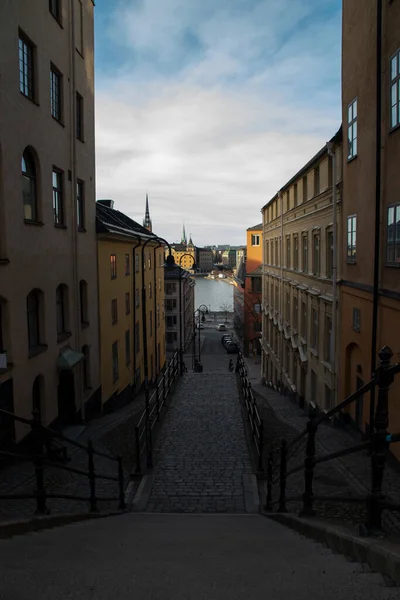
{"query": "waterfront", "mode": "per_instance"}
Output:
(213, 293)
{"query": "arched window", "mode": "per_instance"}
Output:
(29, 187)
(61, 305)
(32, 306)
(83, 296)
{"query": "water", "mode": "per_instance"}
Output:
(213, 293)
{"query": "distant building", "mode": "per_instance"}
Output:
(229, 258)
(175, 278)
(205, 260)
(241, 254)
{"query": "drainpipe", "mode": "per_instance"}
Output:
(134, 308)
(377, 204)
(332, 154)
(280, 196)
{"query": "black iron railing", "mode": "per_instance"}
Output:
(378, 444)
(151, 413)
(43, 444)
(256, 422)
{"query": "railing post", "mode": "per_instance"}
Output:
(164, 379)
(309, 463)
(138, 457)
(92, 477)
(157, 403)
(268, 504)
(149, 443)
(260, 447)
(380, 446)
(122, 504)
(282, 478)
(36, 425)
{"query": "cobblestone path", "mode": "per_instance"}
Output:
(202, 456)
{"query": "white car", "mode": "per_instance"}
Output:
(221, 327)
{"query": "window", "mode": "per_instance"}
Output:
(305, 252)
(295, 311)
(170, 289)
(276, 252)
(395, 90)
(352, 130)
(296, 253)
(80, 204)
(86, 367)
(316, 254)
(114, 311)
(127, 303)
(26, 74)
(295, 194)
(329, 254)
(356, 319)
(137, 263)
(267, 253)
(287, 316)
(272, 252)
(171, 321)
(32, 306)
(304, 319)
(113, 266)
(115, 361)
(57, 197)
(328, 340)
(170, 305)
(149, 260)
(288, 253)
(316, 181)
(313, 386)
(314, 329)
(159, 284)
(256, 285)
(304, 189)
(61, 293)
(150, 291)
(393, 235)
(351, 238)
(158, 315)
(151, 323)
(55, 9)
(127, 348)
(255, 240)
(137, 298)
(83, 301)
(29, 196)
(79, 25)
(137, 338)
(79, 117)
(127, 265)
(55, 93)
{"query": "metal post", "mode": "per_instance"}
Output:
(380, 446)
(268, 505)
(149, 449)
(137, 443)
(122, 504)
(36, 426)
(199, 337)
(261, 447)
(92, 477)
(180, 321)
(309, 464)
(282, 478)
(158, 402)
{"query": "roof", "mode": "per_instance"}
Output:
(110, 220)
(255, 228)
(173, 274)
(256, 273)
(336, 138)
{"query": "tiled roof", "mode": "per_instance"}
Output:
(255, 227)
(109, 220)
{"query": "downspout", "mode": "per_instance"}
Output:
(155, 308)
(377, 205)
(332, 154)
(280, 196)
(134, 308)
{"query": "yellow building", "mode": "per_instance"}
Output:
(124, 252)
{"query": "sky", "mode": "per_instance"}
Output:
(210, 106)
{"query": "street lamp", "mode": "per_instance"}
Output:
(180, 308)
(201, 310)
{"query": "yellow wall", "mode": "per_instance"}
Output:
(110, 289)
(184, 261)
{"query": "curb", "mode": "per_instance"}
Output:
(381, 555)
(142, 495)
(10, 529)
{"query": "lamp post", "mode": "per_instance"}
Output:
(181, 320)
(201, 310)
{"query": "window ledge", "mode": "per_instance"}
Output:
(61, 337)
(356, 329)
(349, 261)
(56, 19)
(4, 261)
(349, 160)
(30, 99)
(32, 222)
(58, 121)
(326, 365)
(393, 265)
(79, 52)
(113, 277)
(37, 350)
(60, 226)
(8, 368)
(82, 230)
(313, 351)
(84, 324)
(81, 139)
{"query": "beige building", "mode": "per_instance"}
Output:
(48, 276)
(298, 341)
(205, 260)
(178, 301)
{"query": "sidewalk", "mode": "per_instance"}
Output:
(345, 476)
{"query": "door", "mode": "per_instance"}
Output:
(66, 398)
(7, 424)
(359, 406)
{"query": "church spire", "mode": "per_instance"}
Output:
(190, 240)
(147, 221)
(184, 240)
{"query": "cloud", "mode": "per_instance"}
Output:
(211, 107)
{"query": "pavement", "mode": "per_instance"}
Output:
(202, 461)
(181, 557)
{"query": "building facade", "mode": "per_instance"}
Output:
(370, 290)
(204, 260)
(298, 344)
(253, 291)
(177, 302)
(48, 276)
(131, 304)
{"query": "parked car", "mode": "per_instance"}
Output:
(226, 338)
(221, 327)
(232, 348)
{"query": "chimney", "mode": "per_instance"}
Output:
(107, 202)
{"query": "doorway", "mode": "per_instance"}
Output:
(66, 398)
(359, 405)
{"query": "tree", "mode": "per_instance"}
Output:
(226, 308)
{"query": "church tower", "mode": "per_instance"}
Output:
(147, 221)
(184, 239)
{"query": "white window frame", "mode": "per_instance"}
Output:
(352, 113)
